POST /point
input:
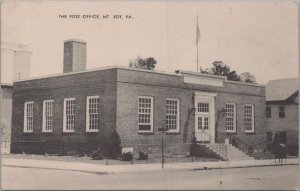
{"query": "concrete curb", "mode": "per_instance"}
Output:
(112, 169)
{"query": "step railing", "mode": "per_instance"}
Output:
(245, 147)
(221, 152)
(227, 151)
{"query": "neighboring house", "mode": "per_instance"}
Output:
(15, 64)
(80, 108)
(282, 102)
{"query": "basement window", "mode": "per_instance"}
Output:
(145, 113)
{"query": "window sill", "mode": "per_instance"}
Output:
(89, 131)
(145, 132)
(47, 132)
(172, 132)
(68, 132)
(27, 132)
(231, 132)
(249, 132)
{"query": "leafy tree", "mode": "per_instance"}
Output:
(247, 77)
(143, 63)
(115, 148)
(221, 69)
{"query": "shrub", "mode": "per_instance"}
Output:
(115, 148)
(250, 150)
(194, 147)
(97, 154)
(142, 156)
(127, 156)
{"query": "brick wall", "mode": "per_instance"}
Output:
(119, 90)
(127, 117)
(57, 89)
(257, 139)
(131, 85)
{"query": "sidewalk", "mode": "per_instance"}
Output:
(99, 168)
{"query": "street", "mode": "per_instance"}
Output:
(271, 177)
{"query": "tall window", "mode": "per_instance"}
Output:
(249, 118)
(172, 115)
(69, 115)
(92, 114)
(230, 117)
(268, 112)
(28, 117)
(281, 112)
(145, 114)
(47, 116)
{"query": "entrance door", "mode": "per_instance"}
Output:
(202, 129)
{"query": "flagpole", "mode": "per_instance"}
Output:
(197, 48)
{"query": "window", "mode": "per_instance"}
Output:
(202, 123)
(47, 116)
(269, 136)
(28, 117)
(172, 115)
(92, 114)
(203, 107)
(268, 112)
(281, 112)
(69, 115)
(249, 118)
(230, 117)
(145, 114)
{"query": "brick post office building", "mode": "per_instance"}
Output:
(83, 106)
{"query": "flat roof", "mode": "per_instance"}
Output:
(181, 73)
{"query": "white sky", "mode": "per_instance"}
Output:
(256, 37)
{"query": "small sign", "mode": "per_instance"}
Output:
(127, 150)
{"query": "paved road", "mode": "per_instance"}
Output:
(272, 177)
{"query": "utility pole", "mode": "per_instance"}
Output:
(197, 41)
(162, 129)
(19, 75)
(162, 145)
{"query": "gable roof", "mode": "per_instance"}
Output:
(282, 89)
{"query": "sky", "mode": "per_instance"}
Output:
(249, 36)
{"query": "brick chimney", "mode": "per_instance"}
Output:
(74, 55)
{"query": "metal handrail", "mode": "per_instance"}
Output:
(246, 145)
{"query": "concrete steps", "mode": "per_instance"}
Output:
(228, 151)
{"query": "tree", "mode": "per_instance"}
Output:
(221, 69)
(247, 77)
(143, 63)
(115, 148)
